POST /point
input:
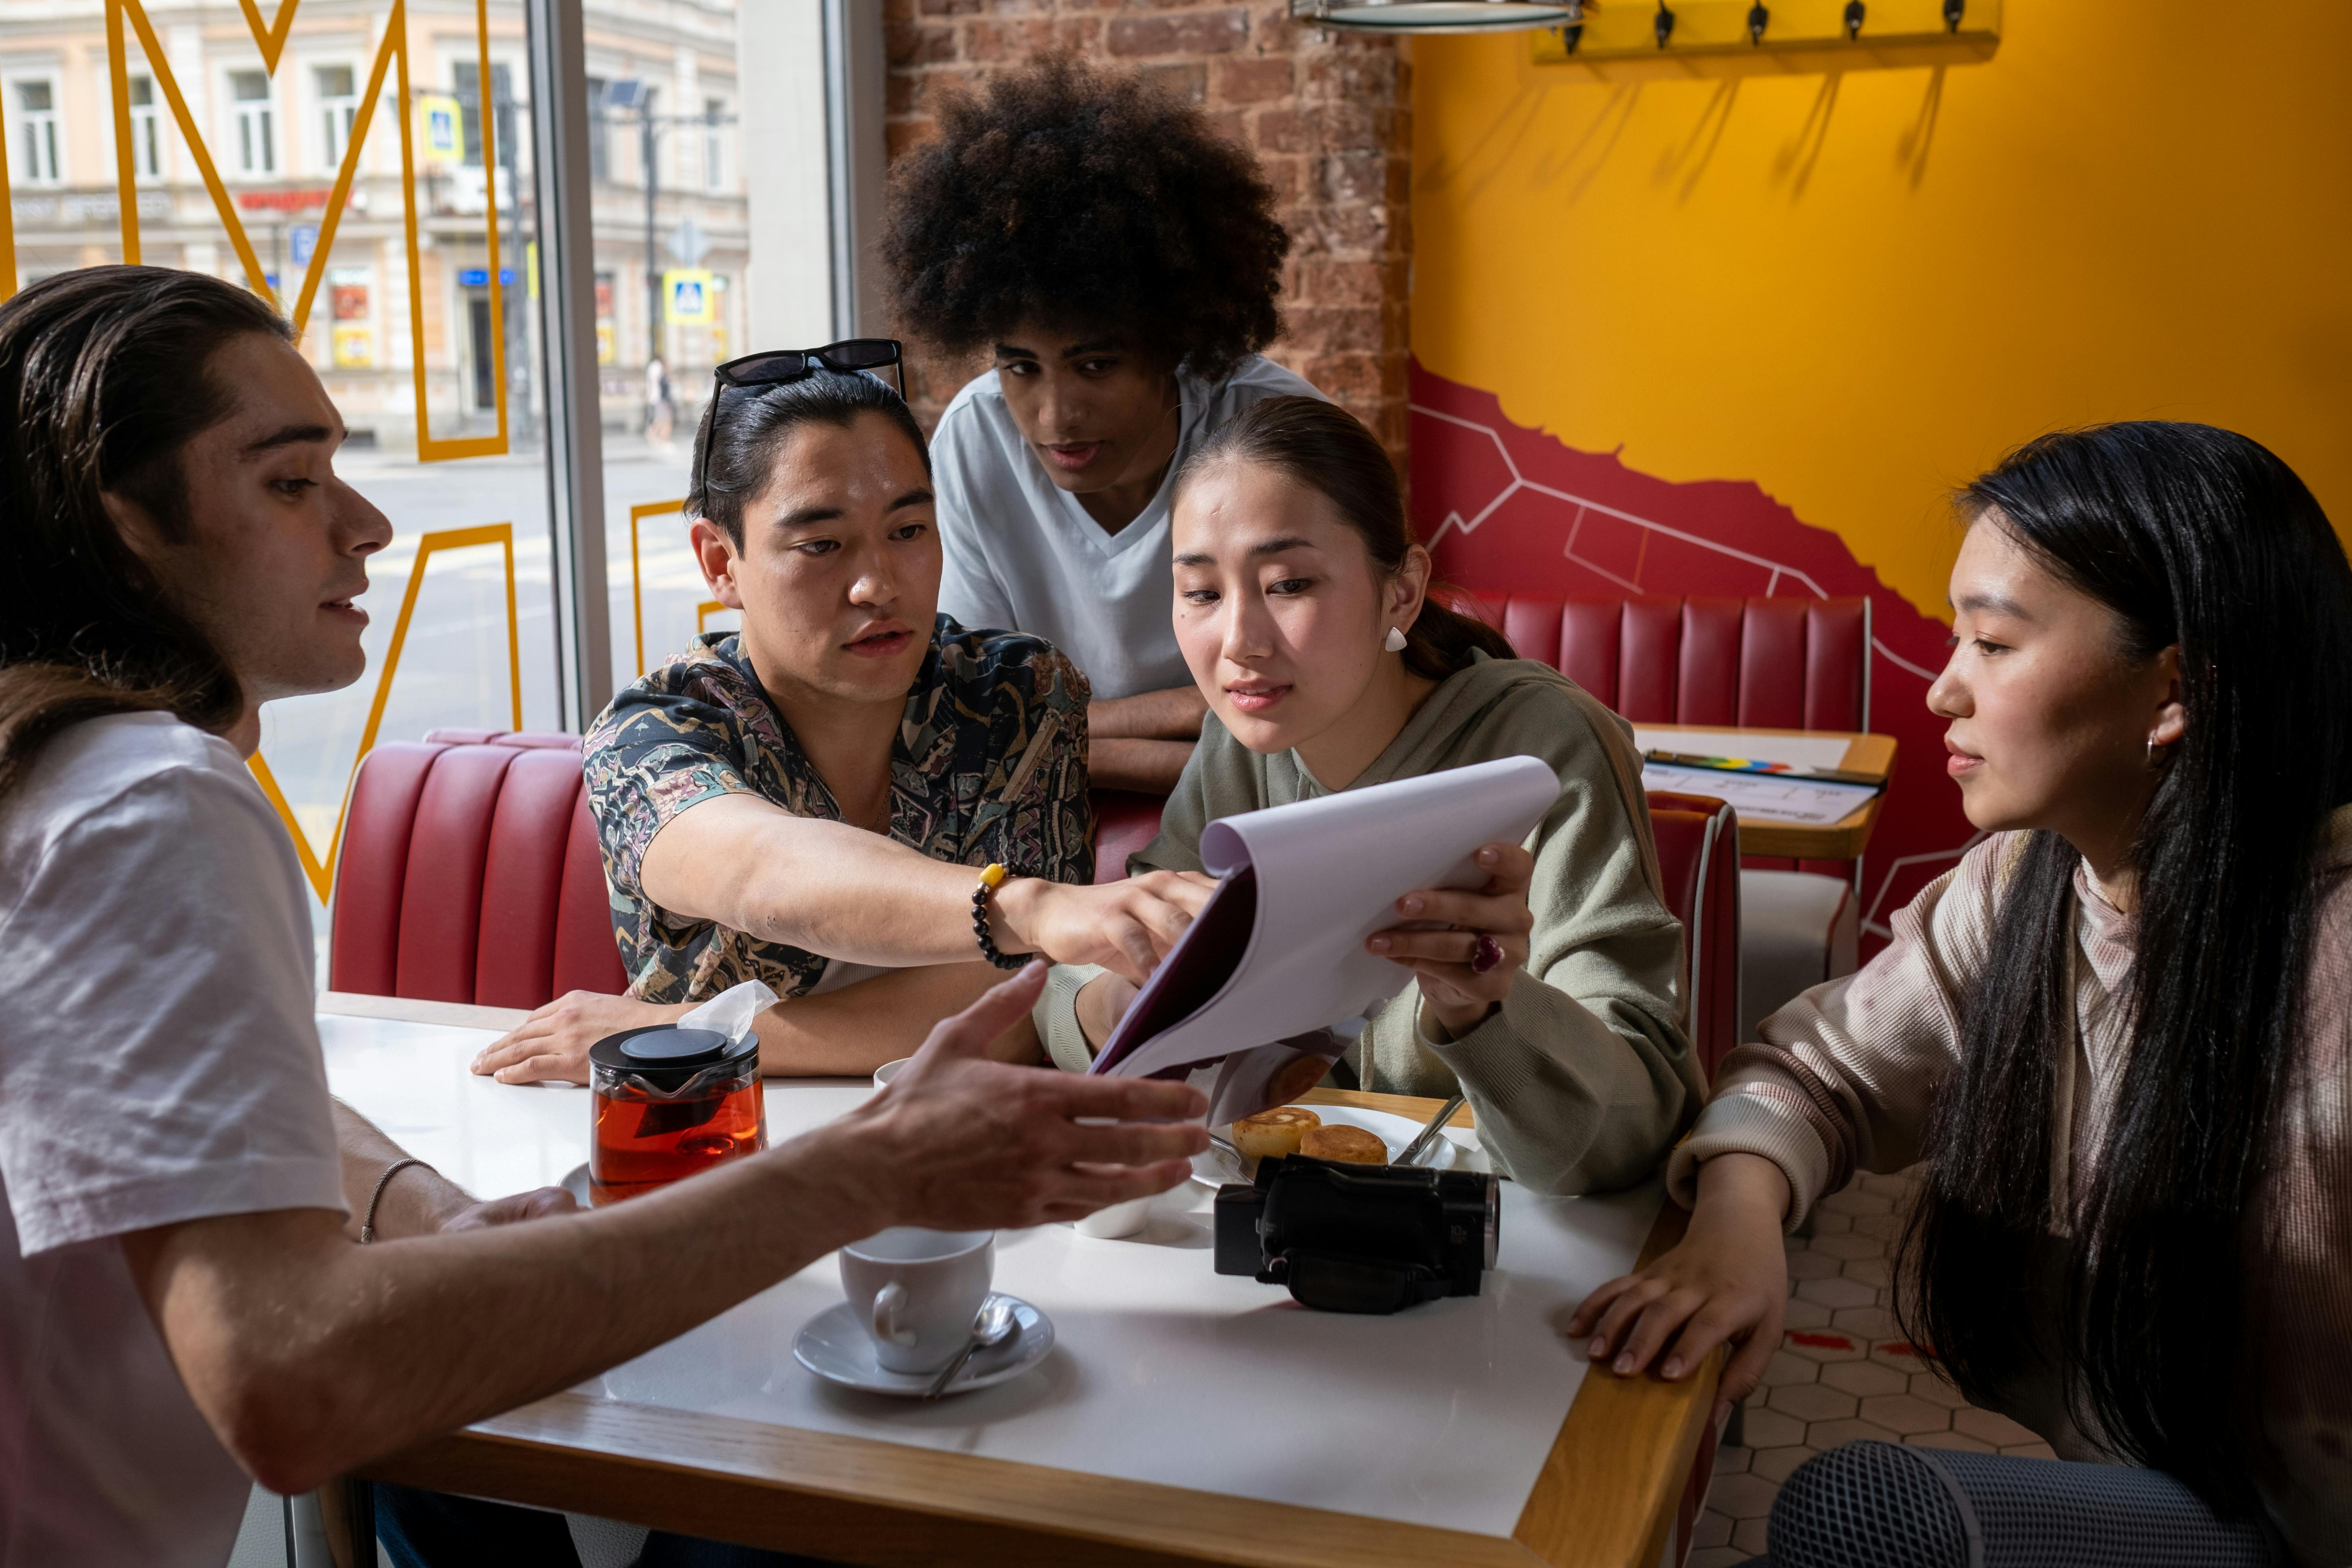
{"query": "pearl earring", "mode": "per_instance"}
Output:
(1395, 642)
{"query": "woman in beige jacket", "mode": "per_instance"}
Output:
(2117, 1034)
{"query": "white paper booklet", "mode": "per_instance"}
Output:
(1276, 956)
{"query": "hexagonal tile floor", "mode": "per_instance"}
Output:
(1843, 1371)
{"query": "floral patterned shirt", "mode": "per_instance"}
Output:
(989, 766)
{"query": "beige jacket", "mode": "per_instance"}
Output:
(1845, 1075)
(1583, 1077)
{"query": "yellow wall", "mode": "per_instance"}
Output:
(2136, 208)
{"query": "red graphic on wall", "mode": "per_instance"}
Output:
(1510, 509)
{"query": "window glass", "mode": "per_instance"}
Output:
(256, 138)
(146, 129)
(338, 107)
(37, 132)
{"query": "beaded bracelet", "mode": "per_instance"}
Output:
(990, 880)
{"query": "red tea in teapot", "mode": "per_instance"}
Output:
(668, 1102)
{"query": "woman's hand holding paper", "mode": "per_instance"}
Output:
(1464, 946)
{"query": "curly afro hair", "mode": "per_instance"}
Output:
(1085, 198)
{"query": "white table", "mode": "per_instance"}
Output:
(1171, 1390)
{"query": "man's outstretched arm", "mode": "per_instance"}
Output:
(310, 1355)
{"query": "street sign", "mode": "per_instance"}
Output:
(685, 298)
(440, 128)
(300, 242)
(480, 276)
(688, 243)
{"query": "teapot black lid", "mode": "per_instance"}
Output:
(666, 1051)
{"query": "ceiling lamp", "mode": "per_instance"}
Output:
(1436, 15)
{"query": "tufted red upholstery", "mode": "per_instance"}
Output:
(1698, 856)
(1770, 664)
(469, 873)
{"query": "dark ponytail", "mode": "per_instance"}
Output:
(104, 379)
(1323, 447)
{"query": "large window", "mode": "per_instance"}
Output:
(36, 132)
(256, 127)
(338, 106)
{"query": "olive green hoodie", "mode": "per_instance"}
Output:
(1582, 1079)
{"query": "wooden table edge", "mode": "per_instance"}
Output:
(1609, 1488)
(864, 1499)
(1604, 1498)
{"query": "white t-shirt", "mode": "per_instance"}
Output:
(158, 1062)
(1023, 555)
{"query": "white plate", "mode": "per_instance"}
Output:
(1216, 1167)
(836, 1347)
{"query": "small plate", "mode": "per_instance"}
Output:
(835, 1346)
(1216, 1165)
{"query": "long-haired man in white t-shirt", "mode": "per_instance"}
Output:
(183, 1299)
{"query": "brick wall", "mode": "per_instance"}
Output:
(1329, 117)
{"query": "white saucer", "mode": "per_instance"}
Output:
(836, 1347)
(1217, 1165)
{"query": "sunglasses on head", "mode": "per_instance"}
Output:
(777, 366)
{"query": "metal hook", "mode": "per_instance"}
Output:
(1953, 11)
(1663, 25)
(1758, 18)
(1853, 14)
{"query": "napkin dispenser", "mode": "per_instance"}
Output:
(1359, 1238)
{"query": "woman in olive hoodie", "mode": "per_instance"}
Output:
(1552, 995)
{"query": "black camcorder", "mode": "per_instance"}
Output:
(1359, 1238)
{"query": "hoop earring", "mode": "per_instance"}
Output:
(1394, 642)
(2151, 750)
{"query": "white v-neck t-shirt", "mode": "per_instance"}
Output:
(1023, 555)
(158, 1062)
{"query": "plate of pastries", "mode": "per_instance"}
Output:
(1340, 1132)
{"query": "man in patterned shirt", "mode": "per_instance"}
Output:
(809, 802)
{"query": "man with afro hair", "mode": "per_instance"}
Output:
(1122, 261)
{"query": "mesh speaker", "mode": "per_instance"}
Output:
(1879, 1505)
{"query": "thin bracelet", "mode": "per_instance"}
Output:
(990, 880)
(367, 1226)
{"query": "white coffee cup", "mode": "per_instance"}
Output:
(917, 1291)
(1117, 1220)
(889, 1071)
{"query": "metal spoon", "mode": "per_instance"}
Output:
(992, 1325)
(1431, 1133)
